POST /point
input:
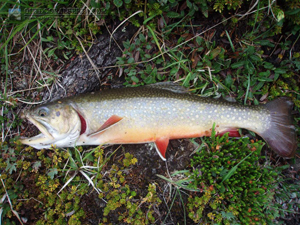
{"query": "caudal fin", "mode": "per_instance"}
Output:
(281, 136)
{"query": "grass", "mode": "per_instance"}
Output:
(250, 57)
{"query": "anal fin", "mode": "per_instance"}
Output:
(232, 133)
(161, 145)
(113, 120)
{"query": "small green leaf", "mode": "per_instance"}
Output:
(36, 165)
(126, 44)
(265, 43)
(130, 60)
(189, 4)
(228, 81)
(199, 40)
(135, 79)
(280, 71)
(237, 64)
(264, 74)
(118, 3)
(52, 173)
(255, 58)
(10, 167)
(171, 14)
(268, 66)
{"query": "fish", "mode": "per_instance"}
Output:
(156, 113)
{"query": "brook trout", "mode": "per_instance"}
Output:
(155, 113)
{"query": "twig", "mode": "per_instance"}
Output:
(88, 57)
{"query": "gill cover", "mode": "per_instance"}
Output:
(59, 125)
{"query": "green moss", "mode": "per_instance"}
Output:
(234, 187)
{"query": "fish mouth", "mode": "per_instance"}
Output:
(44, 137)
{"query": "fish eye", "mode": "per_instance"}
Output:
(42, 112)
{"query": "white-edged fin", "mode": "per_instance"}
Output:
(161, 145)
(160, 155)
(170, 86)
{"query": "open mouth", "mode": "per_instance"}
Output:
(45, 136)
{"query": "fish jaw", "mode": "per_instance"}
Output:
(41, 140)
(61, 128)
(40, 126)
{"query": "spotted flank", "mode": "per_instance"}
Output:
(156, 113)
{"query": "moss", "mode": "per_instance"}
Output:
(233, 185)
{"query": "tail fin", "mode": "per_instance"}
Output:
(281, 136)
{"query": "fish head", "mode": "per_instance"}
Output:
(58, 123)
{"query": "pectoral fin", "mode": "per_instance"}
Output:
(161, 145)
(113, 120)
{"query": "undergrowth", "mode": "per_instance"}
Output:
(245, 51)
(50, 190)
(237, 188)
(228, 183)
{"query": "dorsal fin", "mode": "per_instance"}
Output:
(114, 119)
(170, 86)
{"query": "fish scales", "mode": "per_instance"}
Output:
(157, 113)
(167, 113)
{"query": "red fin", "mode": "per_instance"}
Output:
(108, 123)
(232, 133)
(161, 146)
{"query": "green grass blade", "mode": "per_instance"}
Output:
(233, 169)
(230, 42)
(16, 30)
(156, 41)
